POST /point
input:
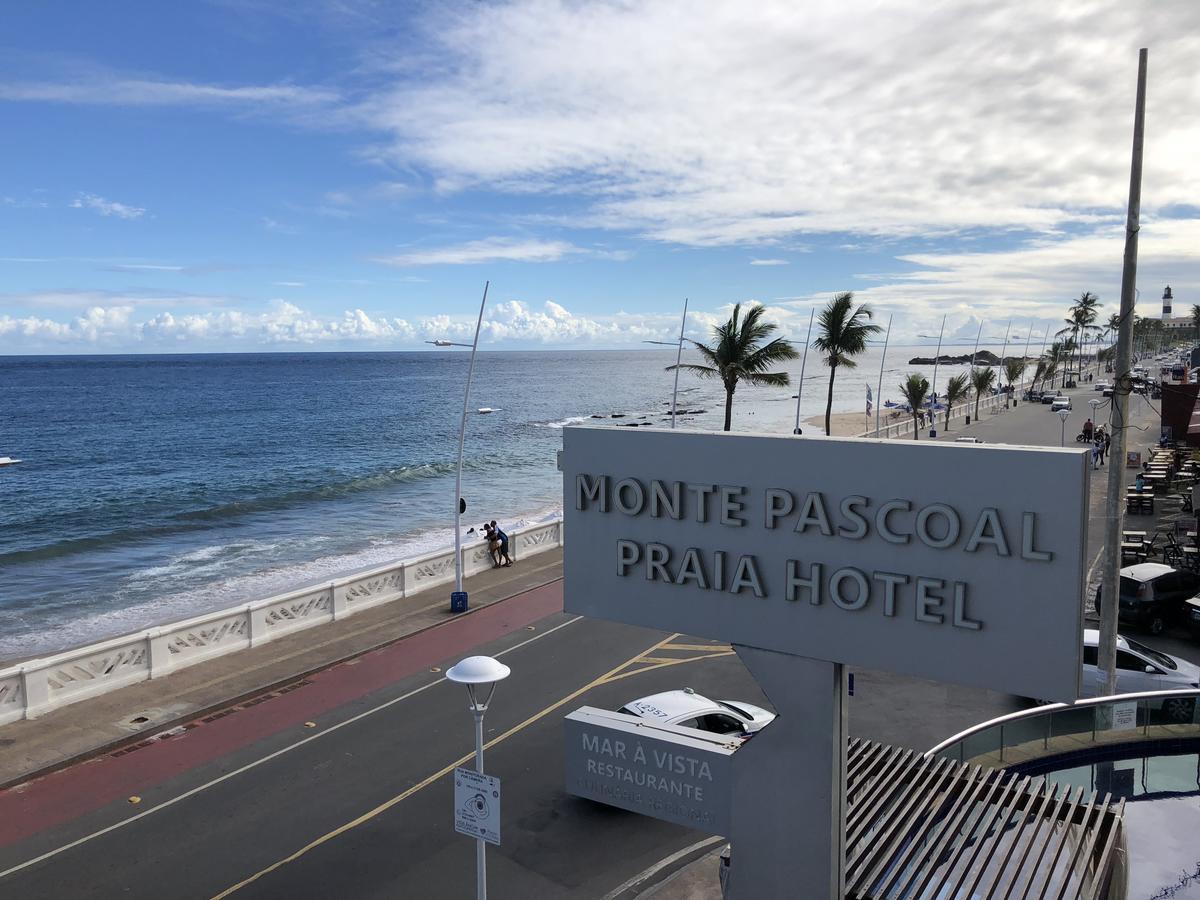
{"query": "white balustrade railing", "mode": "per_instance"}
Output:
(903, 427)
(34, 687)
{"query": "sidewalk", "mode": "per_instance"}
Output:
(127, 716)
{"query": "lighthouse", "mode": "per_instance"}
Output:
(1166, 313)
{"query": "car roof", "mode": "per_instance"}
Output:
(1145, 571)
(676, 703)
(1091, 638)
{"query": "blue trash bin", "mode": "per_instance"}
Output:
(458, 601)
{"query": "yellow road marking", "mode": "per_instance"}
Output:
(704, 647)
(606, 678)
(663, 665)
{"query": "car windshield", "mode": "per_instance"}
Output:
(736, 710)
(1161, 658)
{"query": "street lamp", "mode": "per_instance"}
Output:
(1063, 415)
(678, 357)
(480, 674)
(458, 600)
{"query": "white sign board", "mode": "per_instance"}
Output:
(1124, 716)
(477, 805)
(953, 562)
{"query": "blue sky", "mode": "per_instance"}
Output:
(341, 175)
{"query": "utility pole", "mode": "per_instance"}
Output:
(1121, 388)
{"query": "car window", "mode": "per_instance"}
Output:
(1161, 658)
(1130, 663)
(736, 710)
(693, 722)
(721, 723)
(1089, 656)
(1129, 587)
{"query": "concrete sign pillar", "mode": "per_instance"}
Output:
(789, 784)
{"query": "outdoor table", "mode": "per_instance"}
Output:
(1133, 535)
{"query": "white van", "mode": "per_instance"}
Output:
(1060, 403)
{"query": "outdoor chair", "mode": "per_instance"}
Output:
(1172, 552)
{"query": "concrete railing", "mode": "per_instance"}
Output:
(34, 687)
(903, 427)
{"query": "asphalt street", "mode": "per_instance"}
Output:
(360, 804)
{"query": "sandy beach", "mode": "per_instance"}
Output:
(852, 424)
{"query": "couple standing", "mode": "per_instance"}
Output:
(497, 542)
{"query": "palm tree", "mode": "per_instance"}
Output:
(1058, 354)
(981, 380)
(914, 389)
(1081, 320)
(1013, 370)
(1196, 320)
(738, 354)
(1039, 372)
(843, 336)
(956, 390)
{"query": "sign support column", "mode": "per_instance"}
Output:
(789, 783)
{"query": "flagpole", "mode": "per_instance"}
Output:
(1025, 354)
(803, 363)
(882, 359)
(1007, 330)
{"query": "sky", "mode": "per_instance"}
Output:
(347, 174)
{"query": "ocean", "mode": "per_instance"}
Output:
(159, 487)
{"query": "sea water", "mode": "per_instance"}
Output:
(159, 487)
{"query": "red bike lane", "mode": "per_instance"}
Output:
(67, 794)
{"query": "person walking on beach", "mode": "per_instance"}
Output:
(503, 549)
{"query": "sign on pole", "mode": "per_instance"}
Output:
(477, 805)
(932, 560)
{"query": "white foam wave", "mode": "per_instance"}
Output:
(570, 420)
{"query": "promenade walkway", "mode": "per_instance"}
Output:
(136, 713)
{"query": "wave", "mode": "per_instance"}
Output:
(563, 423)
(29, 633)
(199, 519)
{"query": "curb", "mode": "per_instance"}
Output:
(664, 870)
(270, 687)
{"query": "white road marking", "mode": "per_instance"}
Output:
(258, 762)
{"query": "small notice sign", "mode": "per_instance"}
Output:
(1133, 459)
(1124, 716)
(477, 805)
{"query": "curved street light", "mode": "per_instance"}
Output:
(458, 600)
(1063, 415)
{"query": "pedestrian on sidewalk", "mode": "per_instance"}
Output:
(504, 558)
(1088, 428)
(1107, 441)
(1096, 453)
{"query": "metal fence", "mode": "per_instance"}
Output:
(903, 427)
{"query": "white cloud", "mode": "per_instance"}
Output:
(487, 250)
(758, 121)
(107, 207)
(768, 262)
(294, 284)
(108, 90)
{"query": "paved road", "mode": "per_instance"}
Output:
(254, 804)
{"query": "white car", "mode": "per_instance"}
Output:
(688, 709)
(1060, 403)
(1101, 386)
(1141, 668)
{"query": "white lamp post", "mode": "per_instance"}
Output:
(462, 435)
(678, 345)
(480, 674)
(1063, 415)
(803, 363)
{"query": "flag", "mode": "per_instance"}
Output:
(870, 397)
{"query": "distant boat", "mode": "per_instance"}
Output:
(484, 410)
(8, 461)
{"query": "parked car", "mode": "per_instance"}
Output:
(688, 709)
(1153, 596)
(1060, 403)
(1101, 385)
(1192, 609)
(1048, 398)
(1142, 668)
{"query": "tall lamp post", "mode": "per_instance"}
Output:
(480, 674)
(678, 357)
(1063, 415)
(803, 363)
(458, 600)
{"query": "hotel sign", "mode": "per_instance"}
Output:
(957, 563)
